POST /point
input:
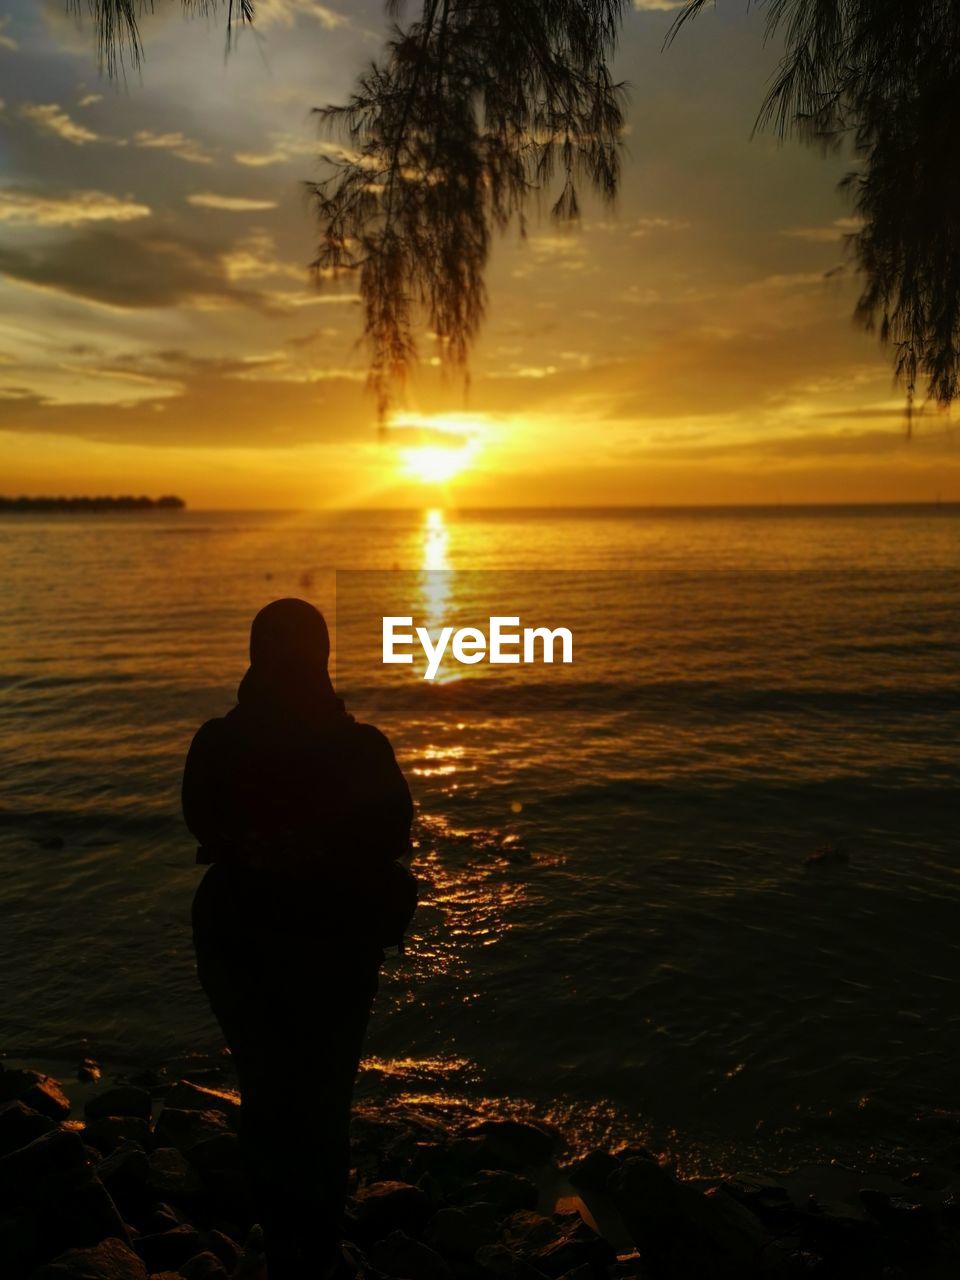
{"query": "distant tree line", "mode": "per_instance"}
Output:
(125, 502)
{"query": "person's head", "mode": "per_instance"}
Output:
(289, 635)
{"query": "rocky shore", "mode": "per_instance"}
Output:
(146, 1182)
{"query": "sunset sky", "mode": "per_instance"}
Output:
(160, 332)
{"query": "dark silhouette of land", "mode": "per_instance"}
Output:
(126, 502)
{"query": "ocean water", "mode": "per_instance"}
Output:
(622, 927)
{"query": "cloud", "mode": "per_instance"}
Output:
(231, 204)
(89, 99)
(838, 230)
(284, 148)
(50, 118)
(178, 143)
(284, 13)
(643, 226)
(255, 258)
(120, 269)
(39, 210)
(7, 42)
(202, 402)
(128, 271)
(657, 6)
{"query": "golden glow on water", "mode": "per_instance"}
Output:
(436, 540)
(436, 579)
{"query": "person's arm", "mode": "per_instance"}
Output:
(204, 796)
(384, 813)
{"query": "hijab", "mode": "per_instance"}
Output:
(288, 680)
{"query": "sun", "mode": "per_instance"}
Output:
(434, 463)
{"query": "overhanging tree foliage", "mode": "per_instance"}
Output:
(885, 74)
(476, 105)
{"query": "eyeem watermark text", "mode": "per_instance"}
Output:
(506, 643)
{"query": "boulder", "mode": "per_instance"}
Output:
(108, 1260)
(504, 1190)
(125, 1170)
(227, 1250)
(82, 1213)
(121, 1100)
(382, 1207)
(186, 1096)
(572, 1251)
(459, 1233)
(591, 1172)
(525, 1229)
(89, 1070)
(19, 1125)
(168, 1250)
(408, 1259)
(169, 1174)
(513, 1144)
(205, 1266)
(161, 1217)
(53, 1155)
(39, 1092)
(496, 1260)
(217, 1154)
(109, 1132)
(681, 1231)
(183, 1129)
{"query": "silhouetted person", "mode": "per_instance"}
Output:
(301, 813)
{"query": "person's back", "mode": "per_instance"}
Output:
(302, 814)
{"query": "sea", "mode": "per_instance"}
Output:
(698, 888)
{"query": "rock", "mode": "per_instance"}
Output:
(185, 1096)
(592, 1171)
(501, 1262)
(525, 1229)
(184, 1129)
(85, 1212)
(168, 1250)
(681, 1231)
(505, 1191)
(109, 1132)
(47, 1097)
(20, 1124)
(149, 1078)
(382, 1207)
(126, 1167)
(15, 1081)
(459, 1233)
(52, 1155)
(162, 1217)
(89, 1070)
(513, 1144)
(399, 1255)
(227, 1250)
(572, 1251)
(108, 1260)
(121, 1100)
(216, 1154)
(37, 1091)
(205, 1266)
(169, 1174)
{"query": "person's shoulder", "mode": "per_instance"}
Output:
(368, 737)
(210, 733)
